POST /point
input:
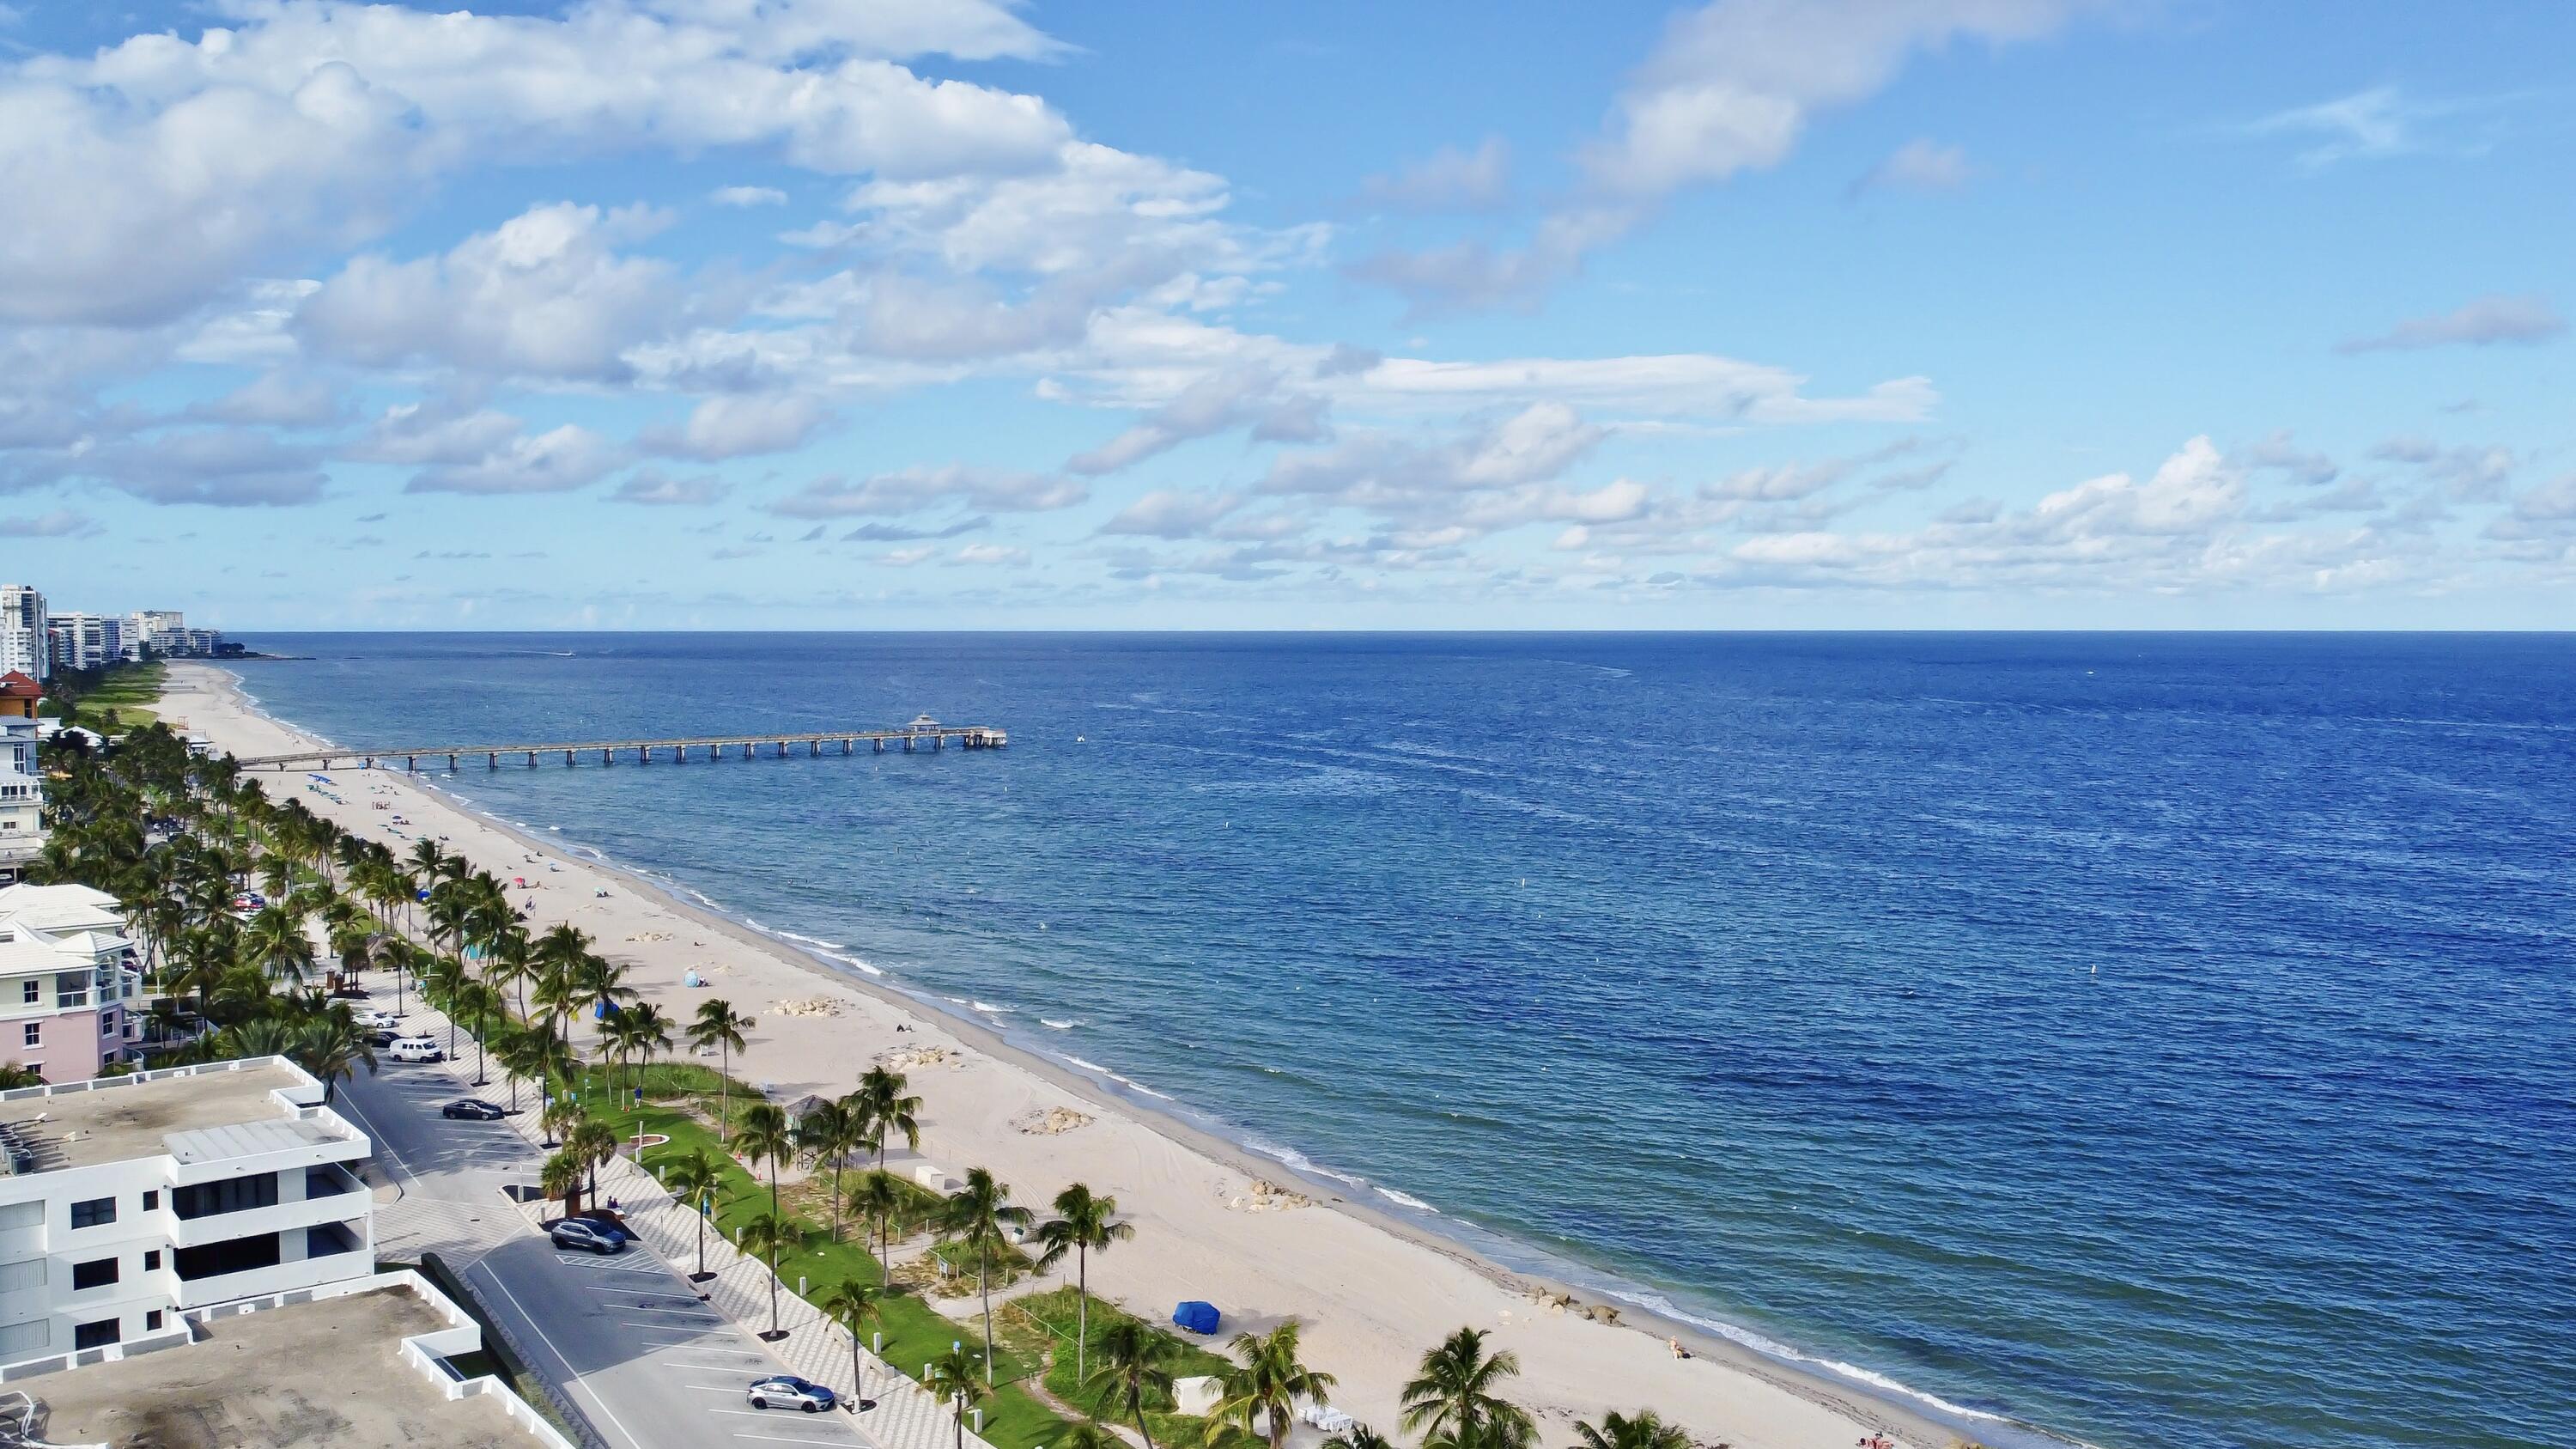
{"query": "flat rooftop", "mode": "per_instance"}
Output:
(114, 1124)
(320, 1374)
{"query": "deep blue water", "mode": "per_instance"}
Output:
(2166, 1039)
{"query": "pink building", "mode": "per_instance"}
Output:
(66, 982)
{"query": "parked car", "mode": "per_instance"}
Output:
(608, 1221)
(587, 1236)
(418, 1049)
(472, 1109)
(383, 1037)
(786, 1391)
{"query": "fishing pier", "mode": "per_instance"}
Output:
(924, 733)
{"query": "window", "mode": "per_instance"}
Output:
(99, 1334)
(97, 1273)
(239, 1255)
(152, 1200)
(34, 1035)
(232, 1195)
(152, 1260)
(31, 992)
(152, 1321)
(94, 1213)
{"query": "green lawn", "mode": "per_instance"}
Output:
(915, 1333)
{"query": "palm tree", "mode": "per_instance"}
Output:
(637, 1033)
(1644, 1429)
(1269, 1383)
(274, 941)
(1082, 1224)
(478, 1000)
(718, 1025)
(876, 1199)
(1452, 1399)
(952, 1382)
(1359, 1436)
(979, 1215)
(561, 1116)
(693, 1178)
(888, 1110)
(592, 1142)
(536, 1054)
(332, 1048)
(556, 1000)
(561, 1178)
(853, 1305)
(765, 1237)
(766, 1137)
(1135, 1361)
(827, 1135)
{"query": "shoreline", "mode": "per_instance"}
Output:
(1845, 1393)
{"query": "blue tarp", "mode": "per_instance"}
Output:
(1195, 1316)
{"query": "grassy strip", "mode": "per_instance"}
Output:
(1054, 1314)
(915, 1333)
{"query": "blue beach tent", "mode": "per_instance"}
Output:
(1195, 1316)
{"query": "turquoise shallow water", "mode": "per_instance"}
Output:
(2166, 1039)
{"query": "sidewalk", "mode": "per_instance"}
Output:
(906, 1416)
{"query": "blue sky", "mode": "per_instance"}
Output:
(951, 313)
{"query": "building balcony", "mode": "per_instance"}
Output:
(252, 1266)
(331, 1195)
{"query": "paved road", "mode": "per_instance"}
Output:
(625, 1340)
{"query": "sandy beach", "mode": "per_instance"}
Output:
(1373, 1291)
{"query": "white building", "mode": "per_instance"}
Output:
(22, 632)
(152, 627)
(125, 1201)
(68, 981)
(22, 788)
(86, 641)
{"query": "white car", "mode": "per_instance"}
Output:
(417, 1049)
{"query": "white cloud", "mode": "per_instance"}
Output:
(747, 196)
(2276, 451)
(222, 467)
(916, 489)
(1691, 384)
(555, 461)
(1226, 399)
(444, 431)
(2484, 322)
(275, 399)
(543, 295)
(151, 173)
(650, 487)
(991, 554)
(1921, 164)
(1448, 180)
(60, 523)
(2381, 123)
(1172, 513)
(736, 426)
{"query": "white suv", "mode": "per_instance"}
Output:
(417, 1049)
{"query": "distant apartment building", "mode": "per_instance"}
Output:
(23, 639)
(156, 629)
(86, 641)
(126, 1201)
(22, 788)
(69, 986)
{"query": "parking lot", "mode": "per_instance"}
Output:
(623, 1337)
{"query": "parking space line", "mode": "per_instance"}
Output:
(780, 1439)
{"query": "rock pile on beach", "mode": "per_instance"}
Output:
(911, 1058)
(809, 1006)
(1556, 1302)
(650, 936)
(1269, 1197)
(1054, 1121)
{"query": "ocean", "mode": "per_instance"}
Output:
(2169, 1040)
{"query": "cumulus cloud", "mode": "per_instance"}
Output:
(916, 489)
(1730, 87)
(1173, 513)
(2471, 473)
(2276, 451)
(221, 467)
(442, 430)
(1921, 164)
(2485, 322)
(747, 196)
(151, 173)
(543, 295)
(1448, 180)
(736, 426)
(648, 486)
(555, 461)
(60, 523)
(274, 399)
(1220, 401)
